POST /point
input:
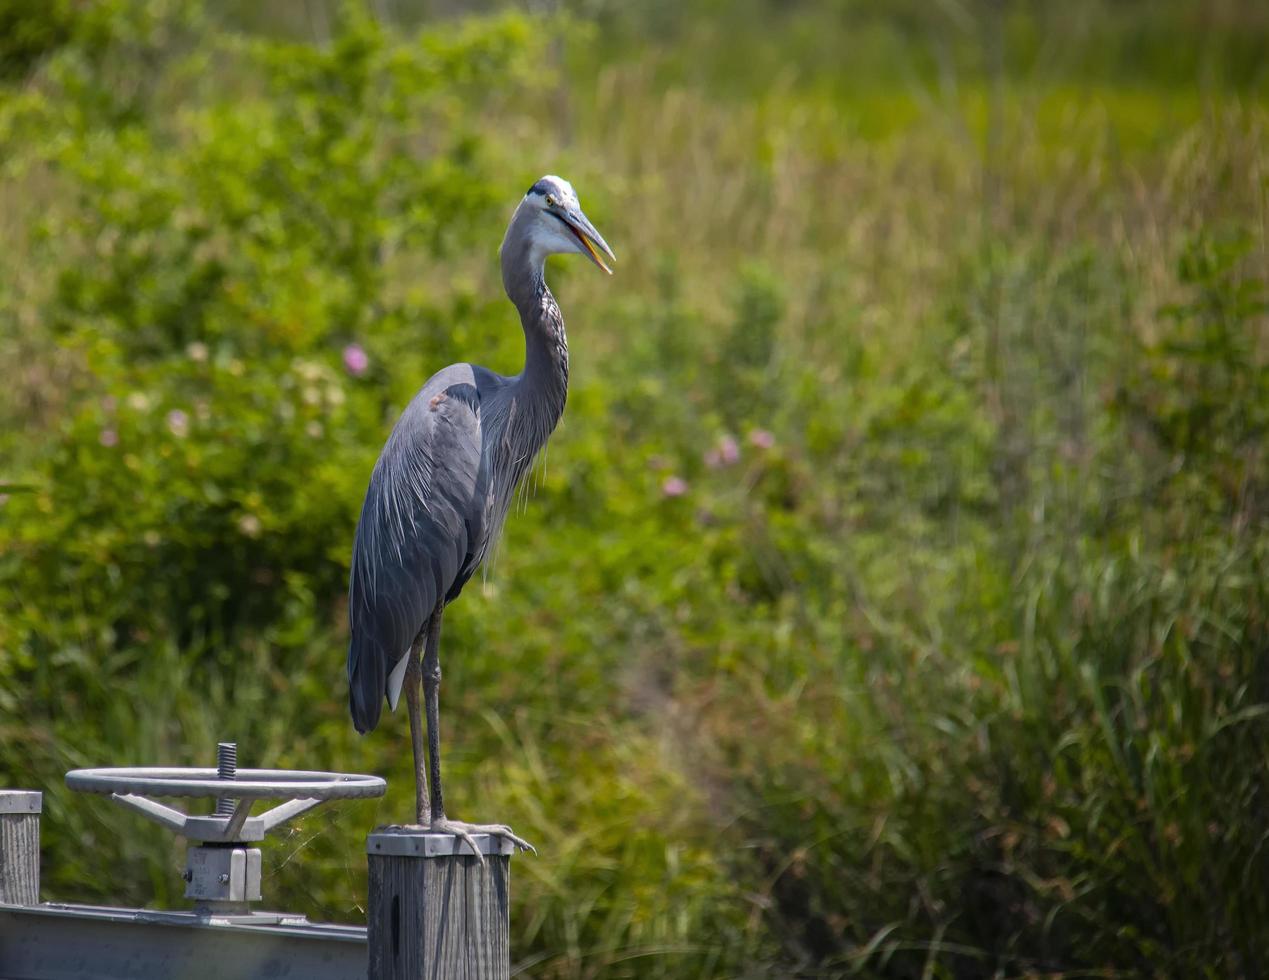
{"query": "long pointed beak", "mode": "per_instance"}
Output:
(580, 226)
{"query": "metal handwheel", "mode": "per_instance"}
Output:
(222, 875)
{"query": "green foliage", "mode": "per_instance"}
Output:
(206, 282)
(891, 599)
(1201, 390)
(29, 29)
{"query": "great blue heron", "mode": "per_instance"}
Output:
(442, 486)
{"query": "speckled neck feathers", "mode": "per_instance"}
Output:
(522, 417)
(542, 387)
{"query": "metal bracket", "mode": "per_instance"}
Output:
(223, 876)
(237, 828)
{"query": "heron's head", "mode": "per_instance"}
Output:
(549, 221)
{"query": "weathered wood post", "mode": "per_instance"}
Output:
(20, 846)
(434, 909)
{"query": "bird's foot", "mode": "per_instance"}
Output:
(443, 825)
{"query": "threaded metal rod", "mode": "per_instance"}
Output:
(226, 768)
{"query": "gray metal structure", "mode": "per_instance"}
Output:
(435, 907)
(87, 942)
(222, 875)
(442, 487)
(221, 937)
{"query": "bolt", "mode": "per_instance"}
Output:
(226, 768)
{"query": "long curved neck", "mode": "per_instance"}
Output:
(542, 387)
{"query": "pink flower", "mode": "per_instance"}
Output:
(674, 486)
(356, 360)
(761, 438)
(178, 423)
(725, 453)
(108, 438)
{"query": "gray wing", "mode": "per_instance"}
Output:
(420, 531)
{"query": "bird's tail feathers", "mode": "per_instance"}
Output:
(365, 685)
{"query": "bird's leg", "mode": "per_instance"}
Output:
(431, 693)
(431, 670)
(413, 686)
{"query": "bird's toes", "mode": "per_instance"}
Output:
(461, 831)
(465, 830)
(519, 842)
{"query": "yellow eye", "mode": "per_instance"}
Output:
(550, 200)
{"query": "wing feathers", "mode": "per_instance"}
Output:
(424, 506)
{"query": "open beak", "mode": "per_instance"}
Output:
(592, 241)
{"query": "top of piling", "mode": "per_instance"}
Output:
(404, 841)
(21, 801)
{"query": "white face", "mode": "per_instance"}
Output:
(549, 221)
(549, 197)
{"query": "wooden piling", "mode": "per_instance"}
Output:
(434, 910)
(20, 846)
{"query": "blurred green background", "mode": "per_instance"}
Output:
(892, 598)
